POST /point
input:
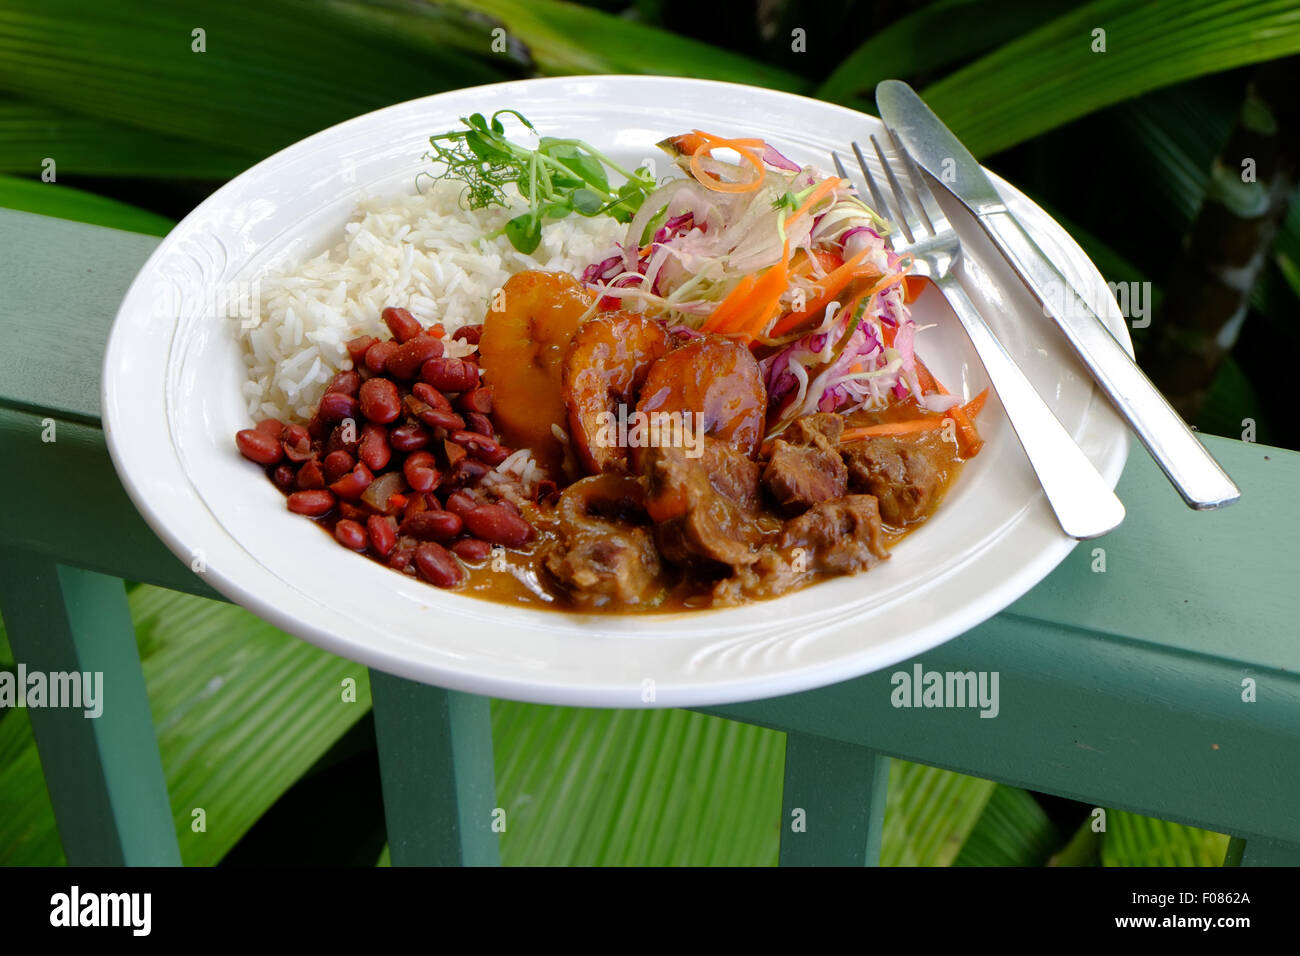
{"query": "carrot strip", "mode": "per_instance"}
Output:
(711, 143)
(827, 289)
(766, 297)
(968, 439)
(814, 197)
(731, 306)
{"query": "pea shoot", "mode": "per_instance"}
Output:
(559, 177)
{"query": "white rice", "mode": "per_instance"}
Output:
(424, 253)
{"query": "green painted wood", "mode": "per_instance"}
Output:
(1259, 851)
(104, 774)
(435, 762)
(73, 508)
(62, 282)
(833, 803)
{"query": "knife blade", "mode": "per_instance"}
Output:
(1200, 480)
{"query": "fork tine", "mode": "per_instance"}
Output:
(930, 208)
(882, 205)
(839, 166)
(913, 222)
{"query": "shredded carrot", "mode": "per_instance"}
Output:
(731, 306)
(968, 440)
(814, 197)
(766, 298)
(827, 289)
(913, 286)
(741, 146)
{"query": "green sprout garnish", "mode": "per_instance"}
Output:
(559, 177)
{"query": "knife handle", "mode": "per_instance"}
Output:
(1183, 459)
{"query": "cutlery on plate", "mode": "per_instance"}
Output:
(1084, 504)
(1184, 460)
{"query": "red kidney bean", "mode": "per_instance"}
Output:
(401, 559)
(482, 447)
(336, 406)
(311, 503)
(430, 396)
(258, 446)
(284, 478)
(460, 503)
(432, 525)
(357, 348)
(437, 565)
(311, 475)
(476, 400)
(401, 323)
(345, 437)
(421, 471)
(497, 525)
(478, 422)
(272, 426)
(404, 438)
(382, 531)
(411, 355)
(377, 355)
(350, 534)
(337, 464)
(450, 374)
(472, 549)
(347, 382)
(351, 485)
(440, 418)
(318, 428)
(508, 505)
(352, 512)
(468, 333)
(374, 450)
(296, 443)
(380, 401)
(467, 472)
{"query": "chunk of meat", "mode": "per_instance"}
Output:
(904, 475)
(822, 430)
(716, 378)
(842, 536)
(773, 573)
(605, 366)
(694, 523)
(603, 557)
(733, 473)
(805, 465)
(616, 566)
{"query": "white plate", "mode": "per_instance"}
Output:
(171, 407)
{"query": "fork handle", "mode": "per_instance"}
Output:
(1084, 505)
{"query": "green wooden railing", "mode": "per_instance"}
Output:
(1125, 688)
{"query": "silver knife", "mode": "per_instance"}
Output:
(1184, 460)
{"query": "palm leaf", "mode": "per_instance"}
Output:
(565, 38)
(929, 813)
(1013, 830)
(933, 37)
(242, 710)
(1133, 840)
(272, 72)
(85, 145)
(64, 202)
(1051, 75)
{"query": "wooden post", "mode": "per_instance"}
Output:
(104, 774)
(435, 761)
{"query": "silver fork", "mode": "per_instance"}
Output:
(1084, 505)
